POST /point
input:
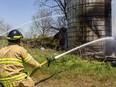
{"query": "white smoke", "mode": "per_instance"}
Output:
(113, 18)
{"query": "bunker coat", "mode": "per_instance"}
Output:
(12, 73)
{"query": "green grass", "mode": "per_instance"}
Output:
(72, 66)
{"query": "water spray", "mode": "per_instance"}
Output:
(60, 15)
(71, 50)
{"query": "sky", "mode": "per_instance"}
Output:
(18, 12)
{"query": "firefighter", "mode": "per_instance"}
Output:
(12, 58)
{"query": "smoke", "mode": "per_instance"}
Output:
(18, 27)
(114, 18)
(111, 45)
(95, 13)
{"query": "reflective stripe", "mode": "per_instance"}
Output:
(13, 78)
(17, 37)
(10, 60)
(28, 58)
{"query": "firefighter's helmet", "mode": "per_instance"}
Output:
(14, 35)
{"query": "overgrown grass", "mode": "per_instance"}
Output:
(72, 66)
(3, 43)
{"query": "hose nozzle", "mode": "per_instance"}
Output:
(49, 60)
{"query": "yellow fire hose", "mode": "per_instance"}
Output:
(38, 68)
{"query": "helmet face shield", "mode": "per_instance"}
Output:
(14, 35)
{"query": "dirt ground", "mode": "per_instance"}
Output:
(77, 81)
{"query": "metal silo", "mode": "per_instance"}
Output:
(88, 20)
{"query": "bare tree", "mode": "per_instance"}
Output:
(56, 7)
(31, 33)
(4, 27)
(42, 22)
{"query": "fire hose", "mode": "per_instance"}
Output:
(49, 60)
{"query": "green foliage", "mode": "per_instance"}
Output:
(41, 36)
(69, 66)
(3, 43)
(72, 66)
(41, 39)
